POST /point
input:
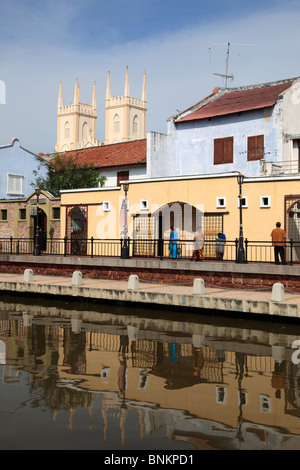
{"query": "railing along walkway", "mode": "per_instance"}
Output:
(254, 251)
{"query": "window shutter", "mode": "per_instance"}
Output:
(255, 147)
(218, 151)
(228, 150)
(223, 150)
(122, 176)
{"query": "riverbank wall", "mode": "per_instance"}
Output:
(220, 274)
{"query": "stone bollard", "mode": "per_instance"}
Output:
(133, 332)
(77, 278)
(198, 287)
(198, 340)
(133, 282)
(76, 325)
(277, 292)
(28, 275)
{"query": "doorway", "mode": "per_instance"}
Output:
(40, 228)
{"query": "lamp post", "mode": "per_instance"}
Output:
(125, 245)
(37, 250)
(241, 251)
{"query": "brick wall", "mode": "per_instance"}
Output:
(221, 279)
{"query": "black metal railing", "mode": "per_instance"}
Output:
(255, 251)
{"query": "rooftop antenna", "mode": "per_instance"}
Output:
(228, 44)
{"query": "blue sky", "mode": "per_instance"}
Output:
(45, 42)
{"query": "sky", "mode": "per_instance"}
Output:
(182, 46)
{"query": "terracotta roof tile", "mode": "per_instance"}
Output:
(238, 101)
(114, 155)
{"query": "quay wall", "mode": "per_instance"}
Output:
(220, 274)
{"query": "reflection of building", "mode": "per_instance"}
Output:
(194, 379)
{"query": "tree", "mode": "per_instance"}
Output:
(65, 173)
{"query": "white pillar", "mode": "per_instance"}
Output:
(277, 292)
(133, 282)
(198, 287)
(77, 278)
(28, 275)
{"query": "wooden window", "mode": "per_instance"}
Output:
(122, 176)
(255, 149)
(56, 213)
(223, 150)
(15, 184)
(22, 214)
(3, 214)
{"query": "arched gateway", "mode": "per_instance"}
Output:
(151, 230)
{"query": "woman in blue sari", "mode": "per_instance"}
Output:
(173, 247)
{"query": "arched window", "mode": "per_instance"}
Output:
(85, 131)
(67, 130)
(135, 125)
(116, 123)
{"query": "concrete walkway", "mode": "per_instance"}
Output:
(256, 302)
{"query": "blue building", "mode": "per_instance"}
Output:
(17, 166)
(254, 130)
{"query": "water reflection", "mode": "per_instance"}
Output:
(124, 379)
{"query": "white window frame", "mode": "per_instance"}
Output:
(106, 206)
(144, 204)
(262, 205)
(246, 202)
(265, 403)
(12, 188)
(219, 392)
(218, 202)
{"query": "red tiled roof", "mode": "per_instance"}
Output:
(238, 101)
(114, 155)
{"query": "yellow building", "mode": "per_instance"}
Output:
(211, 201)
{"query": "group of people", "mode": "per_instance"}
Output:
(278, 236)
(174, 249)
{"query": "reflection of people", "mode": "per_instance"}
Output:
(278, 236)
(198, 245)
(173, 246)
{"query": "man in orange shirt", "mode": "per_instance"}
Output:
(278, 241)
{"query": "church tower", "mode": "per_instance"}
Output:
(76, 123)
(125, 117)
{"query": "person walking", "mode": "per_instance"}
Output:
(198, 245)
(278, 236)
(173, 246)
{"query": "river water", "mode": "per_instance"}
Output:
(82, 376)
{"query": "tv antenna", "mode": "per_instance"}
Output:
(228, 44)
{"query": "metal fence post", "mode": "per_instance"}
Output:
(246, 250)
(291, 253)
(65, 246)
(236, 249)
(92, 247)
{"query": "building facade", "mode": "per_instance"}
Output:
(211, 201)
(17, 167)
(20, 219)
(116, 162)
(125, 119)
(76, 123)
(253, 129)
(125, 116)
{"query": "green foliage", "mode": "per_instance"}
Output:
(65, 173)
